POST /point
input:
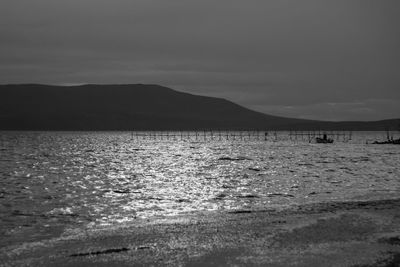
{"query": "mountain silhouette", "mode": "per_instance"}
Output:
(141, 107)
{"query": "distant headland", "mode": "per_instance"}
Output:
(142, 107)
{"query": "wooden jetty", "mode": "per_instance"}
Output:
(240, 135)
(309, 136)
(203, 135)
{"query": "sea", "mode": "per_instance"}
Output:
(56, 183)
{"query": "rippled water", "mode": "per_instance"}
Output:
(53, 181)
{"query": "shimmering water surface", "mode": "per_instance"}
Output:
(52, 182)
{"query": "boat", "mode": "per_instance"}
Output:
(324, 140)
(389, 141)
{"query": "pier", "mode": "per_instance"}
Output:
(240, 135)
(344, 136)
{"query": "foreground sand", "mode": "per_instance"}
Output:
(335, 234)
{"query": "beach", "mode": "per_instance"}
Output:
(361, 233)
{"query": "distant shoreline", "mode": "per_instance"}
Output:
(128, 107)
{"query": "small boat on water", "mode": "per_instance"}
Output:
(389, 141)
(324, 140)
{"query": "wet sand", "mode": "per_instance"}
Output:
(333, 234)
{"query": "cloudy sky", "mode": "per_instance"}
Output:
(316, 59)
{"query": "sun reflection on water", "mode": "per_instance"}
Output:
(108, 178)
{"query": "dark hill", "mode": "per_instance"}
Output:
(141, 107)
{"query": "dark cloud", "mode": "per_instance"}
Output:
(289, 58)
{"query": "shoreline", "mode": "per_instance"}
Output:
(358, 233)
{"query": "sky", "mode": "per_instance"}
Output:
(313, 59)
